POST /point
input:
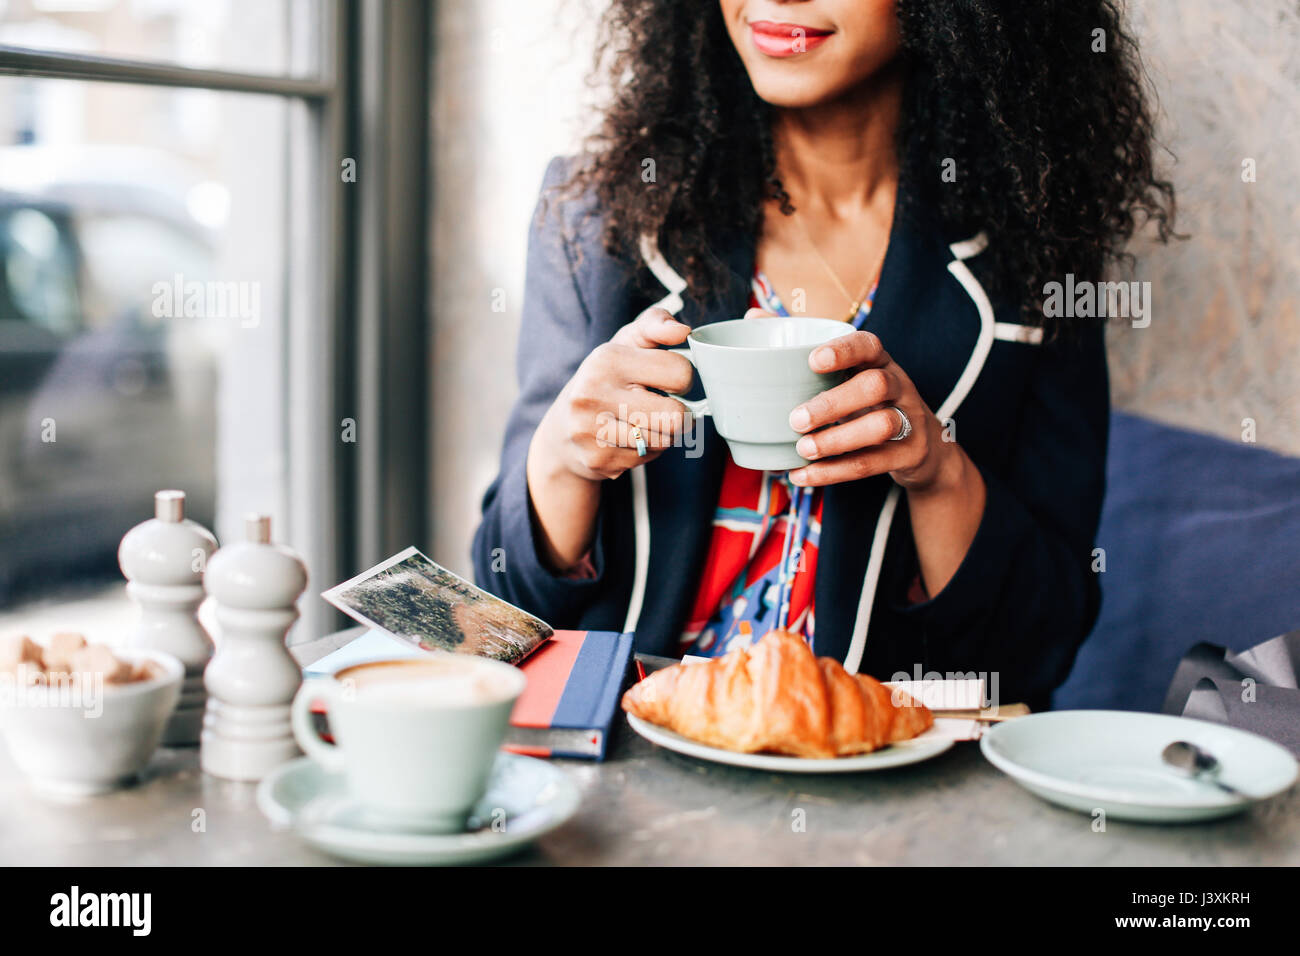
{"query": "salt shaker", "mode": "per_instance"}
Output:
(163, 560)
(252, 679)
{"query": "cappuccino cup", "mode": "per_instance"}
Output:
(414, 739)
(755, 373)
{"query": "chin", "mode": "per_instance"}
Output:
(789, 90)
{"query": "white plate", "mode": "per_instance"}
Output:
(1109, 760)
(535, 797)
(929, 744)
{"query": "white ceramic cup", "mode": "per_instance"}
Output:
(415, 739)
(755, 373)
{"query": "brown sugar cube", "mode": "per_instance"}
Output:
(99, 659)
(17, 651)
(61, 678)
(143, 670)
(59, 651)
(32, 675)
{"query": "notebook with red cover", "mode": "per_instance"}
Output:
(575, 680)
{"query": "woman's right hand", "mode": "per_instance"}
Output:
(585, 437)
(588, 430)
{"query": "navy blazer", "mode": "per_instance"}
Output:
(1031, 415)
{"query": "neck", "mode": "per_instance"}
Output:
(836, 157)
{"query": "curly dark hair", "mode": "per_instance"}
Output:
(1052, 142)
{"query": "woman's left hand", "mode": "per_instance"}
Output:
(847, 430)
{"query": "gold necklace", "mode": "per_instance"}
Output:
(854, 303)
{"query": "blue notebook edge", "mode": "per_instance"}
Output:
(605, 701)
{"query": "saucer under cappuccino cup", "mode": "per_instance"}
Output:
(755, 373)
(414, 739)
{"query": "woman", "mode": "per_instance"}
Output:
(919, 169)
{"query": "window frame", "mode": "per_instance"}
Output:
(358, 300)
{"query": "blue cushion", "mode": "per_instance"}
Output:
(1202, 542)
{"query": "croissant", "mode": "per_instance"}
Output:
(776, 696)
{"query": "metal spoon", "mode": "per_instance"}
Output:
(1200, 764)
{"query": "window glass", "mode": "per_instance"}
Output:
(269, 37)
(142, 316)
(40, 273)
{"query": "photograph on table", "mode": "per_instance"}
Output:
(412, 598)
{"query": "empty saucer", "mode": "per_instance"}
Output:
(1091, 760)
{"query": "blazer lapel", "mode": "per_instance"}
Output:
(682, 484)
(931, 336)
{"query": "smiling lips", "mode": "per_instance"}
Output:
(786, 39)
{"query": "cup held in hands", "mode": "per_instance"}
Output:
(755, 373)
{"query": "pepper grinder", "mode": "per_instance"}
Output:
(252, 679)
(163, 561)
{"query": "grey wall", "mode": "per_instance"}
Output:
(1225, 334)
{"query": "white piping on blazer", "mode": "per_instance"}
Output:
(974, 365)
(672, 303)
